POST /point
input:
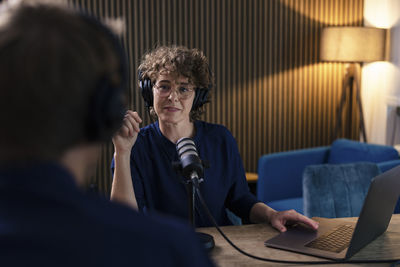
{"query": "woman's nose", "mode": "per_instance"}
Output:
(173, 92)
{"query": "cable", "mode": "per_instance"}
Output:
(394, 261)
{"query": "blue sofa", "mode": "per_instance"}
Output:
(279, 183)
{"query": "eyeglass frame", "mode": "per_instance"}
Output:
(190, 89)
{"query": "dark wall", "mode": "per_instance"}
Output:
(271, 90)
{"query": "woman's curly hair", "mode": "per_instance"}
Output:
(190, 63)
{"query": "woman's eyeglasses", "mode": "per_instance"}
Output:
(183, 92)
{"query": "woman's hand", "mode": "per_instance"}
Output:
(279, 220)
(261, 213)
(126, 136)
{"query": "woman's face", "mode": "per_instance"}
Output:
(173, 98)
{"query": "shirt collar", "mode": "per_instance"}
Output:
(196, 138)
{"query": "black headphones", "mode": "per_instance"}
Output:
(146, 88)
(107, 108)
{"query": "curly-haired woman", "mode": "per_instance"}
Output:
(175, 83)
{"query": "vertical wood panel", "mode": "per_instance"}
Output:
(271, 90)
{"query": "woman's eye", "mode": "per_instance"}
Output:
(183, 90)
(164, 88)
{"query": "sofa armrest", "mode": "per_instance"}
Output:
(280, 174)
(387, 165)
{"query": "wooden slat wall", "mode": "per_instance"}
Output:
(271, 90)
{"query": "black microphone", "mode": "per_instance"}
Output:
(190, 165)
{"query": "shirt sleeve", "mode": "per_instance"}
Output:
(240, 200)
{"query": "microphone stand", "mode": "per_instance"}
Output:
(191, 167)
(193, 183)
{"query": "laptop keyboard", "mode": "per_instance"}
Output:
(334, 241)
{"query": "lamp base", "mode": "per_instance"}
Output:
(207, 241)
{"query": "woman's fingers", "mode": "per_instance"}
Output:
(284, 218)
(134, 119)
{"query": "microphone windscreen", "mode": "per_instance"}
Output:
(185, 147)
(189, 158)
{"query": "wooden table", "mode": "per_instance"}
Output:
(251, 239)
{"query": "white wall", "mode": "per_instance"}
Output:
(380, 83)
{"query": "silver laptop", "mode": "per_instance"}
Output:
(338, 240)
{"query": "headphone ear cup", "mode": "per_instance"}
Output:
(201, 97)
(146, 89)
(106, 106)
(106, 112)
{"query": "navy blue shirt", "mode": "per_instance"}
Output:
(159, 187)
(45, 220)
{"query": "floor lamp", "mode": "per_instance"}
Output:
(352, 45)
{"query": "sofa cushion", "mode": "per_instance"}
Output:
(336, 190)
(287, 204)
(347, 151)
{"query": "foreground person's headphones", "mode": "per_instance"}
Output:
(107, 108)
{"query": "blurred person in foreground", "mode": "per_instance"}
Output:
(63, 76)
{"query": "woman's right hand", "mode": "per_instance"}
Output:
(126, 136)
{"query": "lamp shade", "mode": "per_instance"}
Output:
(354, 44)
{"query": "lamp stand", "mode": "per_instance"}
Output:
(349, 81)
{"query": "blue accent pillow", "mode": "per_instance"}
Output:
(336, 190)
(347, 151)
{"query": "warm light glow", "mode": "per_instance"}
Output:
(378, 79)
(325, 12)
(374, 96)
(381, 13)
(353, 44)
(374, 72)
(380, 82)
